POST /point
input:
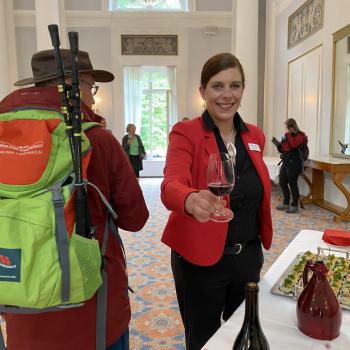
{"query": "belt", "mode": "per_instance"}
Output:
(238, 247)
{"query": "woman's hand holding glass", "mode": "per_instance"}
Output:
(202, 205)
(221, 179)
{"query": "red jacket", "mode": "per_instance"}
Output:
(185, 171)
(110, 170)
(290, 143)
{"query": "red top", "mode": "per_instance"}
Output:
(110, 170)
(290, 143)
(186, 171)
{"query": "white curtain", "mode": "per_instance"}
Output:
(171, 76)
(132, 95)
(113, 5)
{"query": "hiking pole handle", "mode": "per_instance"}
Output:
(82, 228)
(75, 101)
(62, 86)
(55, 40)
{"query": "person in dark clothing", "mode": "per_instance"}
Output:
(134, 148)
(212, 261)
(109, 169)
(292, 165)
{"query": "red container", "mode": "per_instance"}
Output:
(318, 310)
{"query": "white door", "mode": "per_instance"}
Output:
(304, 95)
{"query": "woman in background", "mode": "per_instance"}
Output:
(133, 147)
(292, 164)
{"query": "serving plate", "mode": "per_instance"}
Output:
(337, 247)
(290, 283)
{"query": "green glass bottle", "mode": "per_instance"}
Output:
(251, 336)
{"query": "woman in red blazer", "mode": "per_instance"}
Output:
(213, 261)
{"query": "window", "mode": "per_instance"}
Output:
(150, 104)
(149, 5)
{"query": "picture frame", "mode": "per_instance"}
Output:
(164, 45)
(305, 21)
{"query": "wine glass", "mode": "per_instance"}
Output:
(221, 179)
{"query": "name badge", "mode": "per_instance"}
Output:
(254, 147)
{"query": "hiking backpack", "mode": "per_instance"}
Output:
(44, 264)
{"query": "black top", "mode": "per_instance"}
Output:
(248, 191)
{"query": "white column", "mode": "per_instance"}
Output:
(48, 12)
(245, 47)
(4, 58)
(270, 76)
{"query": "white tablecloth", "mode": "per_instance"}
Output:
(273, 167)
(278, 313)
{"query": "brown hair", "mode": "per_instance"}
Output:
(291, 123)
(130, 126)
(218, 63)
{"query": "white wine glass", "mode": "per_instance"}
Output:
(221, 179)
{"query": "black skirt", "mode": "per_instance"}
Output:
(136, 162)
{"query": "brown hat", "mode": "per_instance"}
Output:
(44, 67)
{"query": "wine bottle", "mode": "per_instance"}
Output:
(251, 336)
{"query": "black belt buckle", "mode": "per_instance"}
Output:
(237, 248)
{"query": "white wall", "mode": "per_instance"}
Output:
(99, 33)
(24, 4)
(217, 5)
(201, 47)
(336, 16)
(87, 5)
(26, 46)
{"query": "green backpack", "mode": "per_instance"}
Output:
(44, 264)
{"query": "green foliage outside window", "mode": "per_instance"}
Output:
(154, 119)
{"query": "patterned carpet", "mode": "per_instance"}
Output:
(156, 322)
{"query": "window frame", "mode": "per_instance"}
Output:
(113, 7)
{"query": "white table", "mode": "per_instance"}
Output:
(278, 313)
(273, 167)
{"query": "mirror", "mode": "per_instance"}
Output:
(340, 130)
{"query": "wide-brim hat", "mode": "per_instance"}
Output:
(44, 67)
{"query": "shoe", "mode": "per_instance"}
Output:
(282, 207)
(292, 210)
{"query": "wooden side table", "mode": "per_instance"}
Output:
(339, 168)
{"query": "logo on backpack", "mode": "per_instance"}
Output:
(7, 148)
(10, 265)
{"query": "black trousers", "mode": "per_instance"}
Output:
(136, 164)
(207, 293)
(288, 179)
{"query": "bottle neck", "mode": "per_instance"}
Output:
(251, 307)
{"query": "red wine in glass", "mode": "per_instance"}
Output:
(220, 189)
(221, 179)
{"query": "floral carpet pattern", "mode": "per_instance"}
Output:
(156, 322)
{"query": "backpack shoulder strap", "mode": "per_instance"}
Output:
(89, 125)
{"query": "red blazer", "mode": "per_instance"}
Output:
(190, 145)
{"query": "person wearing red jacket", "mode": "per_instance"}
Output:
(292, 165)
(212, 261)
(109, 169)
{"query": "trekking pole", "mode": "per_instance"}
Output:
(82, 226)
(62, 86)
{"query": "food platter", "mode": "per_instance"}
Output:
(290, 284)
